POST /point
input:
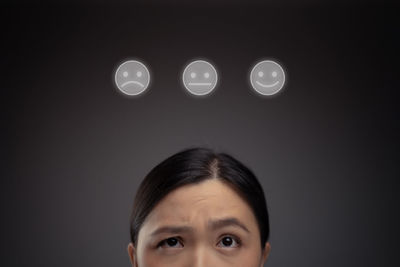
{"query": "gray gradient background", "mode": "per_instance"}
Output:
(75, 150)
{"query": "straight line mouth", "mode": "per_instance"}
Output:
(199, 84)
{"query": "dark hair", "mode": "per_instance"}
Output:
(191, 166)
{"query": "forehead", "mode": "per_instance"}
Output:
(197, 203)
(200, 66)
(132, 66)
(267, 67)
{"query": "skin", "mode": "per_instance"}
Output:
(193, 206)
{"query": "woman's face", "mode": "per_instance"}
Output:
(200, 225)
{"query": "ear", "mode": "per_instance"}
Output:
(265, 253)
(132, 254)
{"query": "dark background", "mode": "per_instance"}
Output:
(75, 150)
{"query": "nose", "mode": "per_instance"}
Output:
(203, 258)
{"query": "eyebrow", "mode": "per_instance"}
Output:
(212, 224)
(231, 221)
(172, 230)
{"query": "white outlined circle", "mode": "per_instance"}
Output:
(270, 70)
(140, 77)
(202, 84)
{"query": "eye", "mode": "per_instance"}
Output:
(229, 242)
(206, 75)
(260, 73)
(125, 74)
(193, 74)
(171, 242)
(274, 74)
(139, 73)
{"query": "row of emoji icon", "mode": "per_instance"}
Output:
(200, 77)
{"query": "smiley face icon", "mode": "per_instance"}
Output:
(267, 77)
(200, 77)
(132, 77)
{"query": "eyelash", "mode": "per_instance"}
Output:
(235, 239)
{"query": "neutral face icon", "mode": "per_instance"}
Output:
(200, 77)
(267, 77)
(132, 77)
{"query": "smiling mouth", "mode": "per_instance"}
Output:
(132, 82)
(200, 84)
(267, 85)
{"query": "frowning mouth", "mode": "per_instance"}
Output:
(132, 82)
(267, 85)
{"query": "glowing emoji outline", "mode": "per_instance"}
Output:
(282, 81)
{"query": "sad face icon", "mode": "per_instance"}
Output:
(132, 77)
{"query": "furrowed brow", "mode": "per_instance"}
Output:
(212, 224)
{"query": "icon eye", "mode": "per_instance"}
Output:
(206, 75)
(260, 73)
(139, 74)
(125, 74)
(274, 74)
(193, 74)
